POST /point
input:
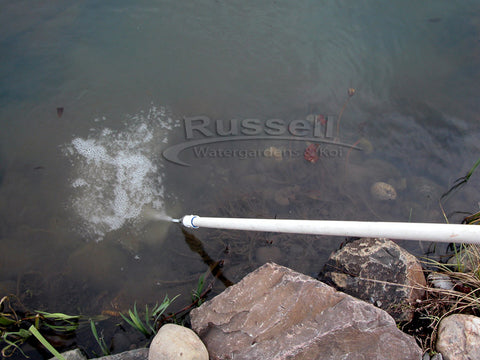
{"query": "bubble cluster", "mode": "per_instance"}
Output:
(116, 173)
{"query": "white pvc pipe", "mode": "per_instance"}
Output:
(448, 233)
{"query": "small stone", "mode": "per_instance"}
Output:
(383, 191)
(459, 337)
(177, 342)
(440, 281)
(268, 253)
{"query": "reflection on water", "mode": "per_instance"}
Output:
(115, 68)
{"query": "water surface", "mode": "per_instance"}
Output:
(73, 188)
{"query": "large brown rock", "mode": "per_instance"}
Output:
(380, 272)
(459, 337)
(276, 313)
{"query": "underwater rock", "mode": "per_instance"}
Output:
(459, 337)
(378, 271)
(424, 190)
(277, 313)
(285, 195)
(177, 342)
(383, 191)
(268, 253)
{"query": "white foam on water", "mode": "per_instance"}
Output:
(117, 173)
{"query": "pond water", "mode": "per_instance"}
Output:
(93, 93)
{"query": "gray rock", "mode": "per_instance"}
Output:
(74, 354)
(276, 313)
(437, 356)
(177, 342)
(137, 354)
(380, 272)
(459, 337)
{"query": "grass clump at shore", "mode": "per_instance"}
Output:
(18, 327)
(453, 288)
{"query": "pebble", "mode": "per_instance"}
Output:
(383, 191)
(458, 337)
(177, 342)
(441, 281)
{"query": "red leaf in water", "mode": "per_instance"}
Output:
(321, 119)
(59, 111)
(310, 153)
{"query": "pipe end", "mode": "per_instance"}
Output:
(187, 221)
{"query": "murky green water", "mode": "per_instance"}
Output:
(72, 187)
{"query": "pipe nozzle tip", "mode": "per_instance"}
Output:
(187, 221)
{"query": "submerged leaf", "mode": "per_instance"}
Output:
(5, 321)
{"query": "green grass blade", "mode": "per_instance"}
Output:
(472, 170)
(128, 321)
(5, 321)
(57, 316)
(148, 317)
(45, 343)
(135, 321)
(14, 345)
(62, 328)
(100, 341)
